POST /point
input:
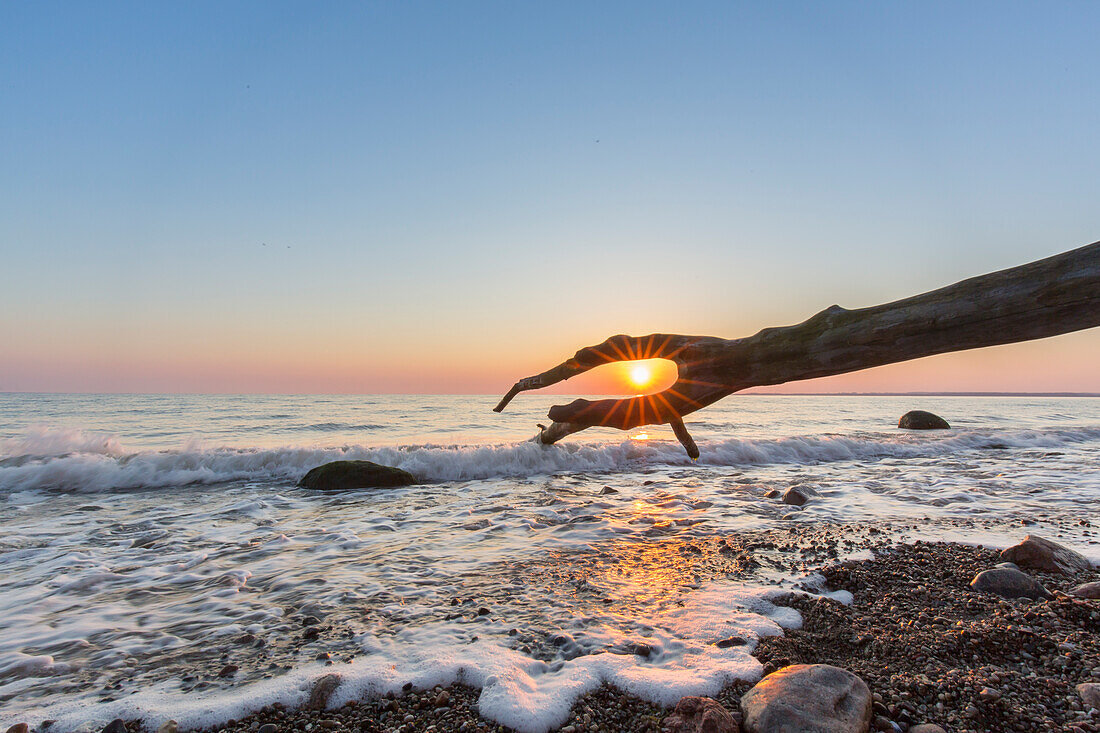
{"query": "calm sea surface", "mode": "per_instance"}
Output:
(152, 539)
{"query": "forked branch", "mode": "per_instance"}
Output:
(1048, 297)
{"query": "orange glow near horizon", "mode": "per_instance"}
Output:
(644, 376)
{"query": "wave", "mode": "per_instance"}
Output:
(73, 461)
(44, 441)
(333, 427)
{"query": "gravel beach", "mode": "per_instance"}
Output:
(931, 648)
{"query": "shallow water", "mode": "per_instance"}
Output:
(153, 539)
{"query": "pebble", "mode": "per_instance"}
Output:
(115, 726)
(322, 690)
(228, 670)
(1008, 583)
(701, 715)
(1087, 590)
(1090, 694)
(18, 728)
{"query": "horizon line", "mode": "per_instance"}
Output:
(566, 395)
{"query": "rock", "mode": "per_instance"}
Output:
(1088, 590)
(731, 641)
(607, 490)
(1090, 694)
(927, 728)
(268, 728)
(322, 691)
(355, 475)
(442, 700)
(170, 727)
(797, 495)
(228, 670)
(18, 728)
(1042, 554)
(1008, 583)
(921, 420)
(115, 726)
(701, 715)
(808, 697)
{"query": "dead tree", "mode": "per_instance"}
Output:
(1048, 297)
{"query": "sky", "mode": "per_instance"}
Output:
(446, 197)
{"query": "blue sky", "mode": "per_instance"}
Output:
(444, 197)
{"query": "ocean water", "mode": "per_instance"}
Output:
(150, 540)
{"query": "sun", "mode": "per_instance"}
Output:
(641, 375)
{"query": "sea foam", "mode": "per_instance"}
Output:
(527, 694)
(74, 461)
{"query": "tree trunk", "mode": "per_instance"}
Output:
(1045, 298)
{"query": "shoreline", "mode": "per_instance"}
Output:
(931, 649)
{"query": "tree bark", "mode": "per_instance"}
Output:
(1048, 297)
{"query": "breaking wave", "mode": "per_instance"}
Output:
(75, 461)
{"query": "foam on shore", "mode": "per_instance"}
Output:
(529, 695)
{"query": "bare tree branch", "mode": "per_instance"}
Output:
(1048, 297)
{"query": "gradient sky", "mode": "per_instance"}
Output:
(414, 197)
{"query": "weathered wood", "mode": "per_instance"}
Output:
(1048, 297)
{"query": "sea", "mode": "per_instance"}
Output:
(158, 560)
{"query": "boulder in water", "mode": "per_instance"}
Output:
(355, 475)
(1038, 553)
(798, 495)
(921, 420)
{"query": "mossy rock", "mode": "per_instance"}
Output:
(921, 420)
(355, 475)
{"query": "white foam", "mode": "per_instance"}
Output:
(518, 691)
(98, 463)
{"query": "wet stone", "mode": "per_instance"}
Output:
(1038, 553)
(817, 697)
(1090, 694)
(701, 715)
(322, 690)
(1087, 590)
(797, 495)
(731, 641)
(922, 420)
(355, 475)
(1008, 583)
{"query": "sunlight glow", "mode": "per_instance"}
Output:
(641, 375)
